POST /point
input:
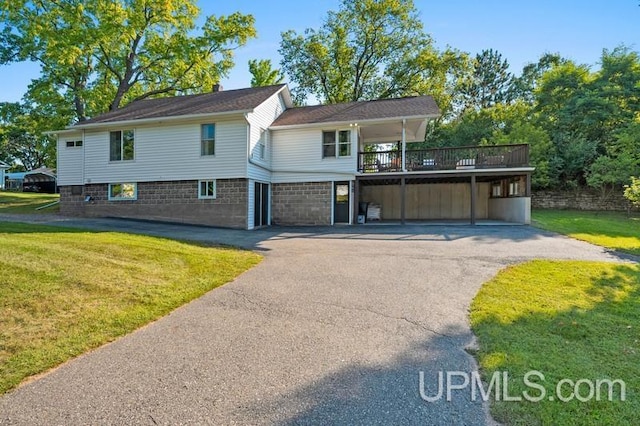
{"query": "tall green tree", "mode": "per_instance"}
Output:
(263, 73)
(367, 49)
(489, 82)
(527, 82)
(587, 114)
(98, 55)
(22, 142)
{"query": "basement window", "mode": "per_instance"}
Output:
(207, 189)
(496, 190)
(123, 191)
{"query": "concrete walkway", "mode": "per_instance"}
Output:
(333, 327)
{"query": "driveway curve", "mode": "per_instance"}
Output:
(333, 327)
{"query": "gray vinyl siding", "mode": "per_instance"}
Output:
(171, 152)
(70, 167)
(297, 157)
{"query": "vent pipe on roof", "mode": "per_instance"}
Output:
(217, 88)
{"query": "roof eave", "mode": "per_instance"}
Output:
(152, 120)
(358, 122)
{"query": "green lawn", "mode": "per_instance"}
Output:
(65, 291)
(26, 202)
(566, 319)
(613, 230)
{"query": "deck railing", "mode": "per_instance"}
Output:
(456, 158)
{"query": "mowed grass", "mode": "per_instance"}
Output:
(613, 230)
(27, 202)
(568, 320)
(65, 291)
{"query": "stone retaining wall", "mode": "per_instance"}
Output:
(581, 199)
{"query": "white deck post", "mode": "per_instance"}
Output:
(404, 146)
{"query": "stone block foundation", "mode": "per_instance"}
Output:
(303, 203)
(173, 201)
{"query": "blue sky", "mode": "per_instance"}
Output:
(520, 30)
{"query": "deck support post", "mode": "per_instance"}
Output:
(528, 185)
(473, 199)
(404, 145)
(356, 197)
(403, 199)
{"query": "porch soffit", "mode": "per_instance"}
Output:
(391, 131)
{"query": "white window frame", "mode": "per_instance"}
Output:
(121, 197)
(73, 144)
(203, 139)
(261, 145)
(207, 196)
(122, 132)
(337, 143)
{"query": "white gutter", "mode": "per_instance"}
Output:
(153, 120)
(370, 121)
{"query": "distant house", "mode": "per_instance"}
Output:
(3, 170)
(248, 158)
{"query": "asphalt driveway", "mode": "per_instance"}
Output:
(333, 327)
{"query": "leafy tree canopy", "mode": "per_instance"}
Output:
(22, 142)
(98, 55)
(489, 83)
(368, 49)
(263, 74)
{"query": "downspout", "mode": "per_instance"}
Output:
(57, 189)
(84, 155)
(248, 152)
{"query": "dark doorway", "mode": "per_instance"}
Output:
(341, 202)
(261, 204)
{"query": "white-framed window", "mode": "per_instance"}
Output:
(336, 143)
(515, 188)
(74, 144)
(123, 191)
(260, 149)
(208, 139)
(207, 189)
(496, 190)
(121, 145)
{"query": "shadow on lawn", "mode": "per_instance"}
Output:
(594, 343)
(28, 228)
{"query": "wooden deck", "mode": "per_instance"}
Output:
(458, 158)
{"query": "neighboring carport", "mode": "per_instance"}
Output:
(40, 180)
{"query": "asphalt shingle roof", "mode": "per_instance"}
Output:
(357, 111)
(206, 103)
